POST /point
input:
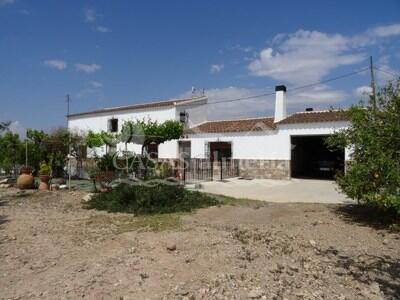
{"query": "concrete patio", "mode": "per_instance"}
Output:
(271, 190)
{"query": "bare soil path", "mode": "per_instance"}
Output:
(52, 248)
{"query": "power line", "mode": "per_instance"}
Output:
(328, 80)
(291, 89)
(387, 72)
(244, 98)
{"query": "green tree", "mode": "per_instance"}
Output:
(11, 152)
(150, 132)
(37, 151)
(4, 126)
(59, 144)
(94, 140)
(374, 138)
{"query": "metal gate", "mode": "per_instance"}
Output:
(208, 170)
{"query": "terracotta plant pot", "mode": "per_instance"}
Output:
(25, 170)
(25, 181)
(44, 182)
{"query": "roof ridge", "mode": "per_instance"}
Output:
(171, 101)
(155, 102)
(316, 111)
(243, 119)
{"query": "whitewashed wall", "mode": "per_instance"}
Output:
(196, 113)
(270, 145)
(98, 122)
(324, 128)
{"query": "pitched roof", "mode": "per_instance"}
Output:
(165, 103)
(315, 117)
(243, 125)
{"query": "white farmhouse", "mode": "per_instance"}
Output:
(270, 147)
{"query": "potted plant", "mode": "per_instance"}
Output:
(44, 175)
(25, 179)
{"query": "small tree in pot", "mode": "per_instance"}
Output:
(44, 175)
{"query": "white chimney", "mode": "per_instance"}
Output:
(280, 103)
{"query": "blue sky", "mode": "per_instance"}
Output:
(110, 53)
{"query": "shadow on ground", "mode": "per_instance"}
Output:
(3, 219)
(368, 215)
(369, 269)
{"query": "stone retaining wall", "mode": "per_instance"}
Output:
(265, 169)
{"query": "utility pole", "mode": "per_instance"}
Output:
(26, 153)
(371, 67)
(69, 146)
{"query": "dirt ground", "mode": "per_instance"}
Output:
(52, 248)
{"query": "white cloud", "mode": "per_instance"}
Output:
(103, 29)
(86, 92)
(303, 57)
(362, 92)
(96, 84)
(320, 95)
(383, 71)
(90, 15)
(385, 31)
(87, 68)
(56, 64)
(5, 2)
(216, 68)
(242, 48)
(307, 56)
(17, 127)
(260, 106)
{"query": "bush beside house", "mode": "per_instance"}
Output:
(374, 136)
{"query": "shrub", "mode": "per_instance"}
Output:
(45, 169)
(163, 170)
(144, 199)
(106, 162)
(374, 137)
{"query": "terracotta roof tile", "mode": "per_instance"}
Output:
(315, 117)
(244, 125)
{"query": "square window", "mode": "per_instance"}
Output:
(113, 125)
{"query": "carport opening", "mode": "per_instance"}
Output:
(311, 158)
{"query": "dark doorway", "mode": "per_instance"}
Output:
(152, 151)
(311, 158)
(220, 150)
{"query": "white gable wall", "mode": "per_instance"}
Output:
(196, 113)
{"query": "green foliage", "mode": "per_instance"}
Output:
(143, 199)
(11, 151)
(37, 151)
(4, 126)
(52, 147)
(44, 169)
(163, 170)
(93, 139)
(150, 132)
(57, 146)
(106, 162)
(110, 139)
(374, 137)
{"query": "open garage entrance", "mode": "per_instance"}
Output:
(312, 159)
